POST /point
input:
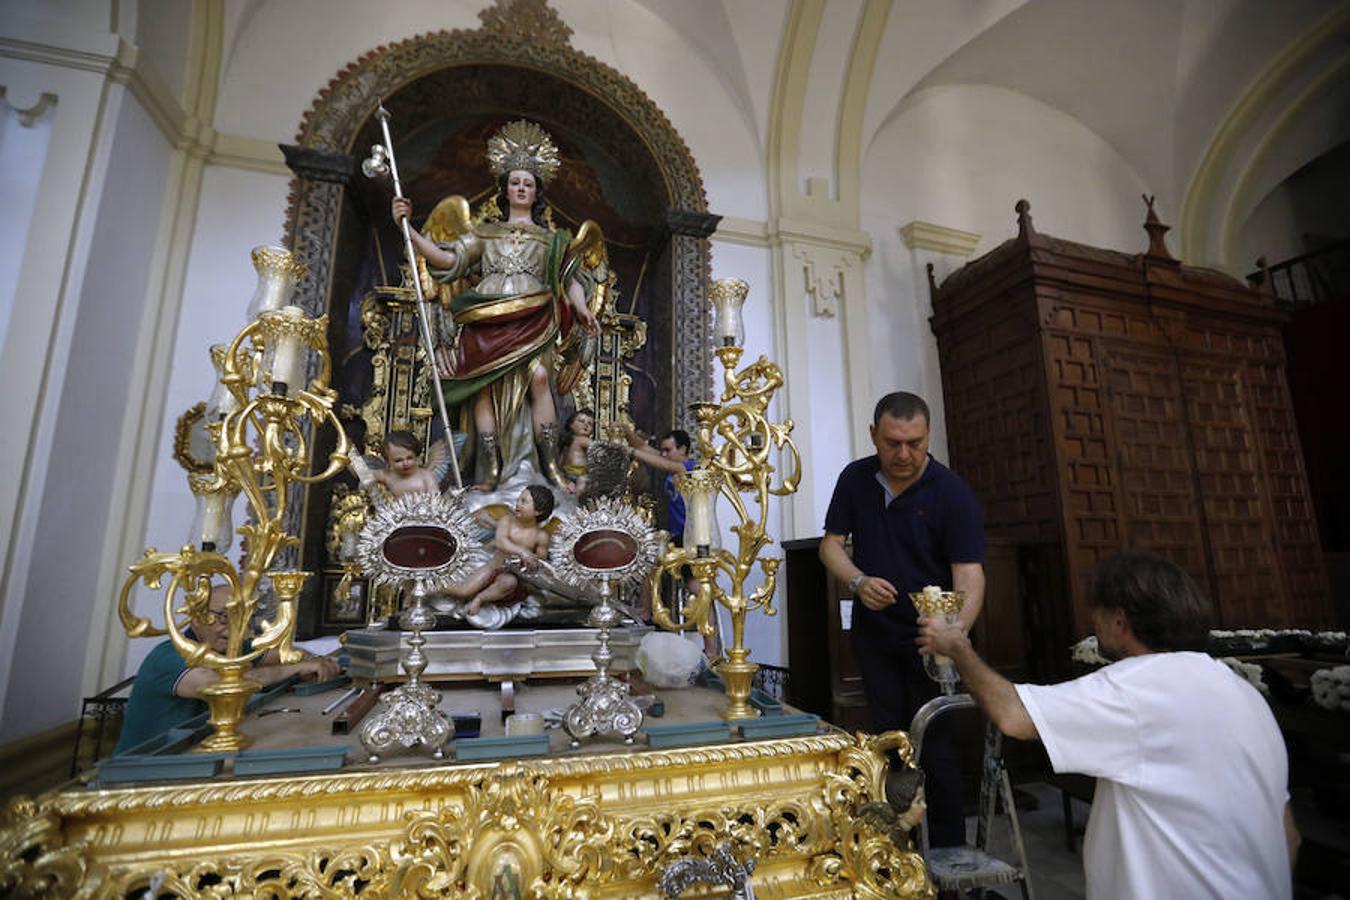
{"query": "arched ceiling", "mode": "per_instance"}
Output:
(1153, 78)
(1156, 79)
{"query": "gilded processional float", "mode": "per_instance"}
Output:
(462, 534)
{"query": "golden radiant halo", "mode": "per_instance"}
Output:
(523, 146)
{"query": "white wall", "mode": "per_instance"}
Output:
(962, 156)
(75, 507)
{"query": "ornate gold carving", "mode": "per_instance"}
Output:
(277, 261)
(512, 829)
(35, 861)
(523, 146)
(187, 431)
(863, 854)
(529, 20)
(561, 827)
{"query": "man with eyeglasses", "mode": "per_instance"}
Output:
(167, 692)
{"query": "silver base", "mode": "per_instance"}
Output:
(604, 708)
(404, 718)
(477, 655)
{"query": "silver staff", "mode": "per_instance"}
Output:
(380, 163)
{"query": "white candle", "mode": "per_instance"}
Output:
(289, 363)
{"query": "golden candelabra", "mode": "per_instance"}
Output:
(736, 444)
(260, 450)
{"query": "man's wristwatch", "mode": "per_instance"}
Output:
(856, 582)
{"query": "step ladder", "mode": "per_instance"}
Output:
(971, 869)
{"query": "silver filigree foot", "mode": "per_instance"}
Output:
(405, 718)
(604, 708)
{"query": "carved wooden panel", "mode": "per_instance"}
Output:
(998, 437)
(1154, 459)
(1099, 400)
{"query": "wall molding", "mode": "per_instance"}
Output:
(123, 64)
(31, 115)
(1229, 225)
(919, 235)
(747, 232)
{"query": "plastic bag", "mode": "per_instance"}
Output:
(668, 660)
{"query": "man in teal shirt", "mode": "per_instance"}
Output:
(167, 693)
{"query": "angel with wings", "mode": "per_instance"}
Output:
(518, 290)
(400, 473)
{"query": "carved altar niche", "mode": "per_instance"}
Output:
(624, 166)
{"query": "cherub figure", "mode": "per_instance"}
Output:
(577, 440)
(401, 473)
(520, 533)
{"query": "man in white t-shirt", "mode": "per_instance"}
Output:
(1192, 793)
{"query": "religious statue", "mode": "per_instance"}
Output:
(518, 289)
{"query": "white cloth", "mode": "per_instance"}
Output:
(1192, 778)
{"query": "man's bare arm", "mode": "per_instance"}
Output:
(969, 578)
(653, 458)
(321, 668)
(995, 694)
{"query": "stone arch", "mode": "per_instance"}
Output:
(536, 42)
(526, 38)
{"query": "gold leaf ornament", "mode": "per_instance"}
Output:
(523, 146)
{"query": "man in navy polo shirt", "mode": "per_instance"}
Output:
(913, 523)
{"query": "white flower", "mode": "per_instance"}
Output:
(1086, 652)
(1249, 672)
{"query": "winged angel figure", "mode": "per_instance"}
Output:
(524, 297)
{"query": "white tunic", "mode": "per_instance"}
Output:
(1192, 778)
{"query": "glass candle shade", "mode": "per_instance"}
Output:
(222, 401)
(285, 363)
(700, 488)
(277, 274)
(213, 524)
(728, 296)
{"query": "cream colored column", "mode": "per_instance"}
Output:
(55, 260)
(946, 249)
(816, 245)
(145, 423)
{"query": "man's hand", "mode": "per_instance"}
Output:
(877, 593)
(937, 635)
(634, 439)
(320, 668)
